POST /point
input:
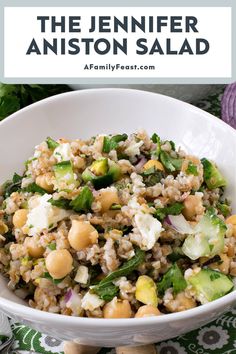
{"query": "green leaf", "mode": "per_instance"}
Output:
(34, 188)
(171, 164)
(14, 97)
(112, 143)
(174, 209)
(12, 186)
(127, 268)
(61, 203)
(156, 139)
(83, 202)
(52, 246)
(224, 209)
(52, 144)
(152, 176)
(172, 144)
(173, 278)
(106, 289)
(8, 105)
(192, 169)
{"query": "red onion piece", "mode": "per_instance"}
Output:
(140, 164)
(179, 223)
(228, 105)
(68, 295)
(167, 220)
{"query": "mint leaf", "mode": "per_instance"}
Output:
(173, 278)
(52, 144)
(174, 209)
(112, 143)
(83, 202)
(34, 188)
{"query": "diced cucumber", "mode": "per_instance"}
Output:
(102, 173)
(208, 239)
(99, 167)
(210, 285)
(212, 175)
(65, 175)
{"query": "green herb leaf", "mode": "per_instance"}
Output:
(156, 139)
(15, 97)
(106, 291)
(152, 176)
(34, 188)
(83, 202)
(173, 278)
(127, 268)
(224, 209)
(171, 164)
(12, 186)
(52, 246)
(52, 144)
(8, 105)
(192, 169)
(174, 209)
(172, 144)
(61, 203)
(112, 143)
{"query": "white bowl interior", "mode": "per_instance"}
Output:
(86, 113)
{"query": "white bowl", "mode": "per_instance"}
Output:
(86, 113)
(187, 93)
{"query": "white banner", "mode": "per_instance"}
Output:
(117, 42)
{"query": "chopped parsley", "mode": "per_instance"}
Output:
(192, 169)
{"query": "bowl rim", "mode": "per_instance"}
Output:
(35, 314)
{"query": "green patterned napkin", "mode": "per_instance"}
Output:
(218, 337)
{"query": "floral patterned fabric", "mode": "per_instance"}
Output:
(218, 337)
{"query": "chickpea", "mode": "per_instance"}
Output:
(117, 309)
(147, 311)
(180, 303)
(79, 162)
(82, 234)
(232, 220)
(44, 181)
(153, 163)
(192, 207)
(59, 263)
(20, 218)
(33, 249)
(230, 251)
(107, 197)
